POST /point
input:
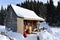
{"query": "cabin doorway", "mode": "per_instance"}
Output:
(29, 26)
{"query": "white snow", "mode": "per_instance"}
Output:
(56, 32)
(44, 24)
(31, 38)
(14, 35)
(50, 34)
(25, 13)
(18, 36)
(44, 35)
(2, 37)
(2, 28)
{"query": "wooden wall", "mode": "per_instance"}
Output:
(20, 25)
(11, 19)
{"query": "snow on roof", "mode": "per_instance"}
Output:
(25, 13)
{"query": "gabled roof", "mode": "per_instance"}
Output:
(25, 13)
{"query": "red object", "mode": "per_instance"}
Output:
(25, 34)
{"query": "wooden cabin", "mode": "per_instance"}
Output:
(19, 19)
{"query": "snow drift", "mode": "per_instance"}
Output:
(2, 28)
(14, 35)
(44, 35)
(49, 34)
(2, 37)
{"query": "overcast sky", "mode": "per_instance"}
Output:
(6, 2)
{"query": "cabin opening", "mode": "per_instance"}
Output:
(29, 26)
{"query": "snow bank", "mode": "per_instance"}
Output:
(2, 28)
(44, 35)
(52, 33)
(2, 37)
(18, 36)
(31, 37)
(56, 32)
(44, 24)
(14, 35)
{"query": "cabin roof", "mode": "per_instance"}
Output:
(25, 13)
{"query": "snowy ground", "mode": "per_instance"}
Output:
(49, 34)
(13, 35)
(2, 28)
(2, 37)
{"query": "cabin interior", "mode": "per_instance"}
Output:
(30, 25)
